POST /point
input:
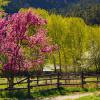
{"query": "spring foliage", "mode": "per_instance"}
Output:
(75, 38)
(23, 42)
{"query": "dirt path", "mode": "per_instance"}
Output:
(70, 97)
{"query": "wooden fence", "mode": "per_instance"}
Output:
(55, 79)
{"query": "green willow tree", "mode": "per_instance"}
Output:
(74, 38)
(94, 48)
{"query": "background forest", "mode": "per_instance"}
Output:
(89, 10)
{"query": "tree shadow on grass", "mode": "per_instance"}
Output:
(52, 92)
(36, 95)
(16, 95)
(22, 94)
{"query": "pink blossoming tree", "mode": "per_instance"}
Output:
(23, 43)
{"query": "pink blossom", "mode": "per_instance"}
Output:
(14, 41)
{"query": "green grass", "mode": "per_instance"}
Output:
(43, 92)
(93, 97)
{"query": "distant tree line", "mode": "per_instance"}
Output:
(89, 10)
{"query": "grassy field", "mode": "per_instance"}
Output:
(93, 97)
(42, 92)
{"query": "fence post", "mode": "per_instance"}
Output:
(28, 86)
(58, 80)
(51, 79)
(82, 79)
(97, 81)
(37, 80)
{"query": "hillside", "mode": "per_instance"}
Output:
(89, 10)
(48, 4)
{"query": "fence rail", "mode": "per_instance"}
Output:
(55, 79)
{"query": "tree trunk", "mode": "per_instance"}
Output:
(60, 60)
(54, 61)
(11, 82)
